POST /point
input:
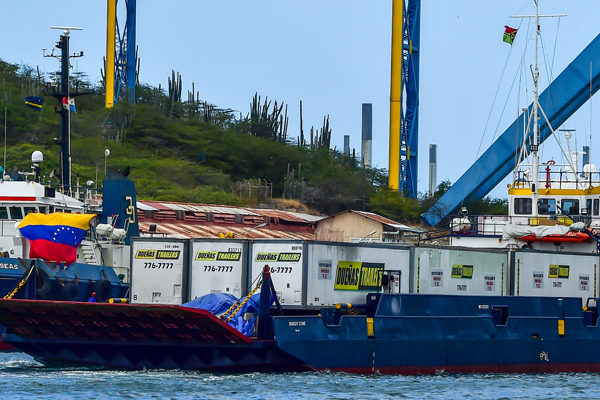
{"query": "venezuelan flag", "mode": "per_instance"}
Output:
(55, 236)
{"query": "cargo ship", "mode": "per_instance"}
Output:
(388, 334)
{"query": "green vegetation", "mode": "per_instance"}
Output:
(192, 151)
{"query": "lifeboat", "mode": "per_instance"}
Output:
(569, 237)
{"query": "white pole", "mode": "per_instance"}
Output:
(4, 167)
(536, 74)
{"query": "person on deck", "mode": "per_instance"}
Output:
(92, 299)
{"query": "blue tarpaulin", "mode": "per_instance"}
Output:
(218, 303)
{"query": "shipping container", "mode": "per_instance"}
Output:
(286, 261)
(159, 270)
(346, 272)
(218, 266)
(452, 270)
(538, 273)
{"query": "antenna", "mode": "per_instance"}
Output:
(67, 29)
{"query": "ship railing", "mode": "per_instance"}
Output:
(89, 195)
(433, 235)
(493, 225)
(565, 178)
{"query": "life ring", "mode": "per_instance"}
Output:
(69, 292)
(103, 290)
(46, 286)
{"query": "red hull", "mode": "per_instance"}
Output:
(5, 347)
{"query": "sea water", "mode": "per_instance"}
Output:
(23, 378)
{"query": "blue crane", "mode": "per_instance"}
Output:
(569, 91)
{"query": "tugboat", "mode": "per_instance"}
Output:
(100, 263)
(55, 278)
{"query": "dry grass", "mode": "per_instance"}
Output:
(291, 205)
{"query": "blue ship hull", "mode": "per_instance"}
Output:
(425, 334)
(74, 282)
(399, 334)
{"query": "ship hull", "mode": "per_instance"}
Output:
(398, 334)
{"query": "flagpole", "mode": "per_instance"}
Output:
(4, 166)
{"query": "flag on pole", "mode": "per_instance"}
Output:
(34, 102)
(65, 102)
(509, 34)
(72, 105)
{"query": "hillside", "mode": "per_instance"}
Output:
(195, 152)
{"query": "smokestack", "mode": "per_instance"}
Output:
(432, 168)
(347, 145)
(367, 133)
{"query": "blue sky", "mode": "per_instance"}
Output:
(333, 55)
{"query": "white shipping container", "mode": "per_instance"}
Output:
(285, 260)
(442, 270)
(218, 266)
(157, 270)
(555, 274)
(345, 273)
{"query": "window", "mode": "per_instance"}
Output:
(16, 212)
(29, 210)
(596, 206)
(588, 207)
(523, 205)
(546, 206)
(3, 213)
(570, 206)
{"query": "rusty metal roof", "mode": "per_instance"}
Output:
(148, 205)
(182, 229)
(192, 220)
(171, 205)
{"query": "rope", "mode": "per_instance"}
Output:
(19, 286)
(240, 305)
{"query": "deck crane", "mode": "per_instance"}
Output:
(565, 95)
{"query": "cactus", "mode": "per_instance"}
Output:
(175, 94)
(267, 123)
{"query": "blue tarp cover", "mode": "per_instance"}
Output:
(218, 303)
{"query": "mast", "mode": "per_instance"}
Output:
(64, 96)
(534, 147)
(536, 107)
